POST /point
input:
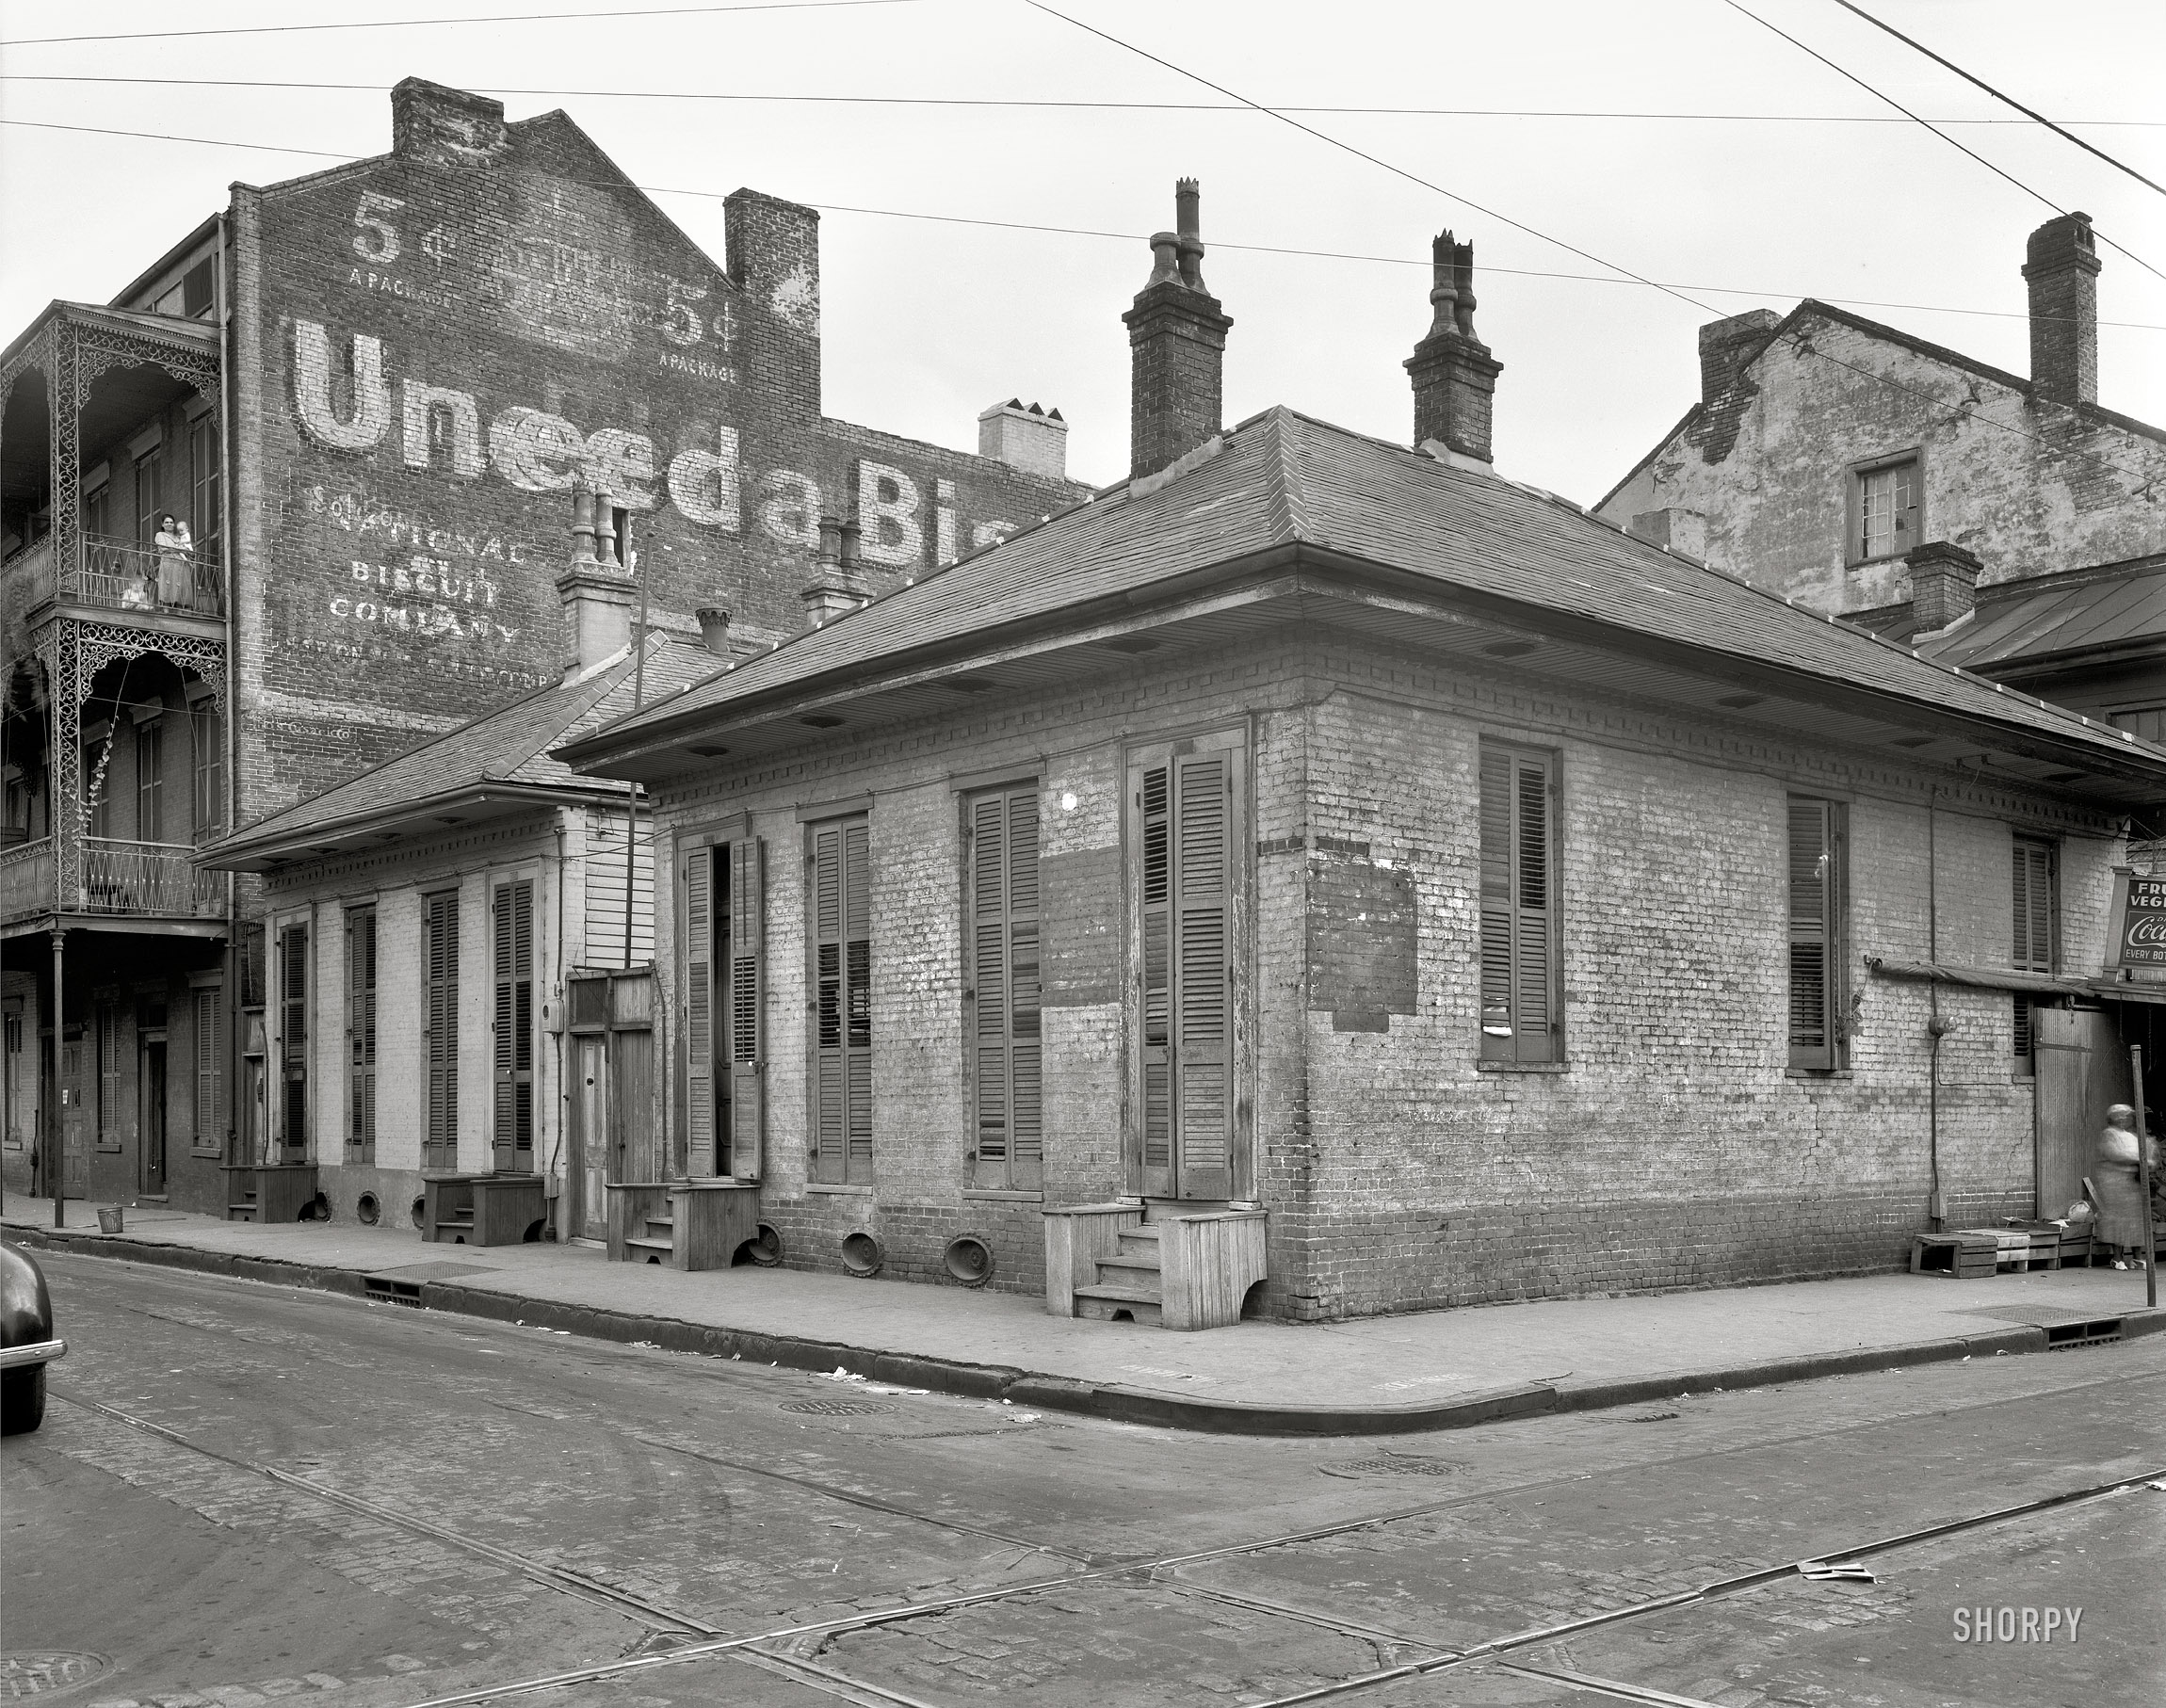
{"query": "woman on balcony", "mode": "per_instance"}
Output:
(176, 572)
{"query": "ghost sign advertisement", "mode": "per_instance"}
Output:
(2138, 944)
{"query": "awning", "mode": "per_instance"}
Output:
(2010, 978)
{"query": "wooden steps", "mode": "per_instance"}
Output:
(1170, 1265)
(682, 1224)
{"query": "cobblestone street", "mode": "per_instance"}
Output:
(244, 1494)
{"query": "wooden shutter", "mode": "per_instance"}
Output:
(107, 1044)
(440, 970)
(150, 781)
(1001, 985)
(1521, 1014)
(2032, 948)
(292, 1031)
(842, 984)
(1815, 880)
(210, 1067)
(1203, 973)
(746, 1044)
(513, 1032)
(361, 1032)
(696, 929)
(1154, 802)
(205, 518)
(209, 770)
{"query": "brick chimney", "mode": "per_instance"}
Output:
(1032, 440)
(2061, 265)
(1726, 346)
(444, 126)
(597, 597)
(1454, 376)
(773, 249)
(1177, 347)
(1943, 585)
(839, 583)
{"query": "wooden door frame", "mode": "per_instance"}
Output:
(148, 1111)
(1239, 739)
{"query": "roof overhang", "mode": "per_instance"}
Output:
(272, 845)
(1224, 604)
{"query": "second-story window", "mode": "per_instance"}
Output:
(208, 815)
(205, 514)
(150, 495)
(1888, 511)
(150, 781)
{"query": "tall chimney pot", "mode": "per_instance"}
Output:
(715, 630)
(596, 597)
(1176, 346)
(1454, 374)
(839, 583)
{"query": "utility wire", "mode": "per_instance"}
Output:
(1084, 231)
(2005, 100)
(280, 29)
(1013, 103)
(1898, 106)
(2143, 483)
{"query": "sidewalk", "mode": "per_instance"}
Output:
(1431, 1370)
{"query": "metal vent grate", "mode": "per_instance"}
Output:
(1393, 1464)
(2063, 1337)
(382, 1289)
(831, 1408)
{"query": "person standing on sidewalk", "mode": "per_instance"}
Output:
(2122, 1211)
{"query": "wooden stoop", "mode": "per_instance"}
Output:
(1174, 1265)
(683, 1224)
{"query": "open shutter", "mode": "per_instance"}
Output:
(442, 969)
(842, 1001)
(2032, 938)
(210, 1067)
(1812, 932)
(748, 1095)
(1203, 1002)
(293, 1032)
(696, 927)
(1520, 1011)
(1153, 802)
(360, 1028)
(857, 959)
(1003, 981)
(513, 1030)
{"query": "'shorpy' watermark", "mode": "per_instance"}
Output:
(2017, 1625)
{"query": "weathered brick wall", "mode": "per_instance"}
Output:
(433, 345)
(1674, 1146)
(2030, 487)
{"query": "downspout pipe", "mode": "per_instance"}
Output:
(1937, 1026)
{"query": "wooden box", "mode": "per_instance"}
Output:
(1961, 1256)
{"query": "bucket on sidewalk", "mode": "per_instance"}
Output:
(109, 1220)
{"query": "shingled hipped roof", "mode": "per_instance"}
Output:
(1289, 490)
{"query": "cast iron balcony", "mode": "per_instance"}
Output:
(123, 575)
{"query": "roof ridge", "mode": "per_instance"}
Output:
(1290, 523)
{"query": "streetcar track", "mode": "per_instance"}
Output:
(1611, 1688)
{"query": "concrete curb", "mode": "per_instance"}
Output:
(1113, 1401)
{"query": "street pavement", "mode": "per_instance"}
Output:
(246, 1493)
(1434, 1358)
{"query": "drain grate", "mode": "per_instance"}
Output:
(1393, 1464)
(34, 1672)
(833, 1408)
(382, 1289)
(2064, 1337)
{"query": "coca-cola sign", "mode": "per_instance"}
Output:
(2144, 923)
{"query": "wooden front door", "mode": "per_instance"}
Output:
(74, 1120)
(594, 1163)
(1185, 874)
(2082, 1071)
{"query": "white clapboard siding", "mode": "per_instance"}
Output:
(605, 887)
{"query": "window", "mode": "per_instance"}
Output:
(293, 1033)
(2031, 950)
(150, 781)
(1522, 1019)
(439, 974)
(150, 495)
(1001, 988)
(841, 941)
(210, 1067)
(2147, 724)
(721, 892)
(207, 807)
(1815, 915)
(1886, 510)
(513, 1028)
(107, 1045)
(206, 512)
(96, 508)
(360, 1035)
(197, 298)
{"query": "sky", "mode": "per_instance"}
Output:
(1801, 183)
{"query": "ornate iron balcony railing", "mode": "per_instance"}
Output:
(26, 878)
(123, 575)
(148, 877)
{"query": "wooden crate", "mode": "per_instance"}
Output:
(1959, 1256)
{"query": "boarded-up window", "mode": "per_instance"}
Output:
(440, 975)
(1001, 988)
(2033, 927)
(611, 878)
(1816, 890)
(293, 1032)
(511, 1029)
(210, 1068)
(361, 1034)
(839, 882)
(1522, 1017)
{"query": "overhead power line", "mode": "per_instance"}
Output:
(1002, 103)
(1997, 95)
(282, 30)
(1870, 88)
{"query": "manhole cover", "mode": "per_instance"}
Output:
(35, 1671)
(833, 1408)
(1393, 1464)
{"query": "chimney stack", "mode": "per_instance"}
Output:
(2061, 265)
(1032, 440)
(714, 631)
(1943, 585)
(839, 583)
(1726, 346)
(1454, 376)
(597, 598)
(1177, 347)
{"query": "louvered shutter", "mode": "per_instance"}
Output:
(1003, 980)
(512, 1035)
(696, 930)
(1203, 973)
(1154, 802)
(842, 1001)
(361, 1030)
(107, 1045)
(210, 1067)
(293, 1032)
(1521, 1017)
(441, 968)
(748, 1091)
(1814, 885)
(2031, 947)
